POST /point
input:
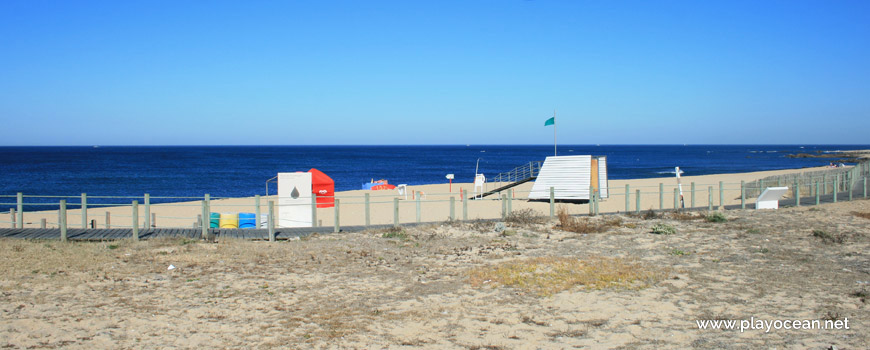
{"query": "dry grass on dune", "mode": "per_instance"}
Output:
(586, 225)
(546, 276)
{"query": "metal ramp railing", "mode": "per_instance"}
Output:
(515, 177)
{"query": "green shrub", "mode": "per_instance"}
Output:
(827, 237)
(663, 229)
(716, 217)
(395, 232)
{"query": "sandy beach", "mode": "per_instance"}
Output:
(612, 284)
(435, 203)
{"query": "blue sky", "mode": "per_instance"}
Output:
(433, 72)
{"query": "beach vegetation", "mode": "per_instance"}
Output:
(395, 233)
(678, 252)
(716, 216)
(586, 225)
(481, 225)
(831, 316)
(530, 320)
(650, 215)
(861, 215)
(861, 294)
(526, 216)
(827, 237)
(684, 216)
(568, 333)
(663, 229)
(545, 276)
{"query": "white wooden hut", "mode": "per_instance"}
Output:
(571, 177)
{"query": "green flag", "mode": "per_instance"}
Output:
(550, 121)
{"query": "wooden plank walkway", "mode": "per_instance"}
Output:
(101, 234)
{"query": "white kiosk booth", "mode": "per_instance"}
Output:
(294, 200)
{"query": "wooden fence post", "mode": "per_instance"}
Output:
(742, 194)
(627, 199)
(637, 201)
(553, 202)
(452, 208)
(395, 212)
(135, 223)
(12, 218)
(676, 199)
(148, 217)
(62, 221)
(710, 198)
(270, 221)
(817, 192)
(337, 219)
(20, 210)
(721, 195)
(591, 201)
(368, 210)
(154, 220)
(206, 220)
(836, 188)
(257, 211)
(314, 210)
(797, 194)
(84, 210)
(503, 206)
(597, 199)
(108, 220)
(850, 187)
(42, 223)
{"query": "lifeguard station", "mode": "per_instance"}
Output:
(571, 178)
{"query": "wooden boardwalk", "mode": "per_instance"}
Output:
(102, 234)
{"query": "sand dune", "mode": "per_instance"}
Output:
(455, 286)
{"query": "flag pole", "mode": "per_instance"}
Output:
(555, 150)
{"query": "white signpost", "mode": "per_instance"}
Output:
(769, 199)
(294, 200)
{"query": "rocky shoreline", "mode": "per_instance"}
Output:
(853, 156)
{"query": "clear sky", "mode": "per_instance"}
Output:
(433, 72)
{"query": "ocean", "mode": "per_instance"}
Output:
(241, 171)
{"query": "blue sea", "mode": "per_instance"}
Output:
(237, 171)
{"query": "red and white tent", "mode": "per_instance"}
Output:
(324, 187)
